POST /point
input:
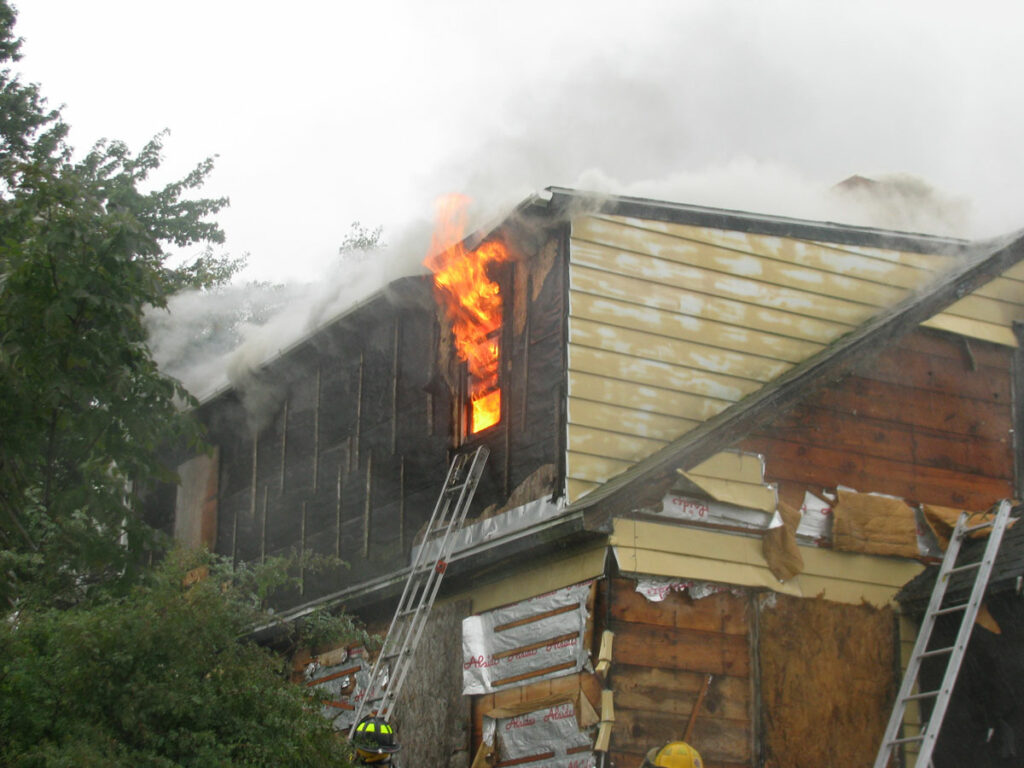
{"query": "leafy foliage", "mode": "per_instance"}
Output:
(359, 241)
(158, 678)
(83, 407)
(103, 660)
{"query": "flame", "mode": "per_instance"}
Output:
(472, 303)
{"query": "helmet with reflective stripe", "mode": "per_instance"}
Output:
(374, 740)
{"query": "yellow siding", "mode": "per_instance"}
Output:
(542, 576)
(690, 553)
(670, 324)
(747, 495)
(735, 478)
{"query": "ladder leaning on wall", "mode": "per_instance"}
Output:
(421, 587)
(955, 653)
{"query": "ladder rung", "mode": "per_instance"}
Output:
(422, 582)
(906, 739)
(924, 695)
(967, 567)
(978, 527)
(951, 609)
(938, 651)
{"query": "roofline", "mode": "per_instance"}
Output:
(564, 198)
(275, 357)
(464, 568)
(646, 481)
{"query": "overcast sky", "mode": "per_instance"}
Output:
(324, 113)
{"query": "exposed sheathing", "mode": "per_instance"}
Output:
(928, 420)
(670, 324)
(827, 682)
(662, 653)
(432, 716)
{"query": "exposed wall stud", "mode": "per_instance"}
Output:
(316, 433)
(302, 551)
(359, 410)
(263, 526)
(395, 371)
(284, 440)
(436, 336)
(368, 506)
(253, 487)
(401, 503)
(337, 511)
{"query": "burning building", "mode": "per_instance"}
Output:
(713, 438)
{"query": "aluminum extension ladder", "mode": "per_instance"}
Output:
(421, 587)
(955, 653)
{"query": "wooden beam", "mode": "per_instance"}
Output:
(647, 481)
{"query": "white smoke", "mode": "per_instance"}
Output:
(211, 339)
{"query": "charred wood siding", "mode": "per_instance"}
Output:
(662, 653)
(929, 420)
(339, 447)
(336, 448)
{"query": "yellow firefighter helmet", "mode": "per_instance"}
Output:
(676, 754)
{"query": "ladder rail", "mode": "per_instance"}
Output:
(924, 635)
(930, 731)
(418, 621)
(964, 633)
(421, 587)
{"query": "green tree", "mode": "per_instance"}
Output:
(360, 241)
(84, 410)
(157, 678)
(104, 661)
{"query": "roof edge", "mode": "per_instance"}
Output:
(565, 199)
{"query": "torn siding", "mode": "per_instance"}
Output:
(663, 549)
(670, 324)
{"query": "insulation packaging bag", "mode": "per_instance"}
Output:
(345, 685)
(551, 733)
(656, 588)
(532, 640)
(816, 518)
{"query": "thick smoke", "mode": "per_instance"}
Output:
(719, 105)
(211, 339)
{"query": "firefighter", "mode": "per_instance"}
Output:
(374, 741)
(675, 754)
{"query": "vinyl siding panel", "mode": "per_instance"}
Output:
(670, 324)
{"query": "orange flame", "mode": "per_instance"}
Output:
(472, 303)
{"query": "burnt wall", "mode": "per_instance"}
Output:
(928, 420)
(339, 447)
(663, 652)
